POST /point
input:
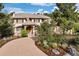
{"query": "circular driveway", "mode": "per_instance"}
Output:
(21, 47)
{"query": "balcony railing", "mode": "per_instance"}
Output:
(26, 23)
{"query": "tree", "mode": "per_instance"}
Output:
(65, 16)
(44, 34)
(68, 11)
(56, 17)
(66, 25)
(1, 6)
(6, 25)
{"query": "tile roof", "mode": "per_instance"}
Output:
(25, 15)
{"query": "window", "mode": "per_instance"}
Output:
(39, 20)
(18, 28)
(42, 20)
(30, 19)
(23, 21)
(16, 20)
(34, 20)
(19, 20)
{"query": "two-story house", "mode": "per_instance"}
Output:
(28, 22)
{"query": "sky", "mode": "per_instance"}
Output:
(30, 7)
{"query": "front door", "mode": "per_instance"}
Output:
(29, 29)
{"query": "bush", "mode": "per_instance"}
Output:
(45, 45)
(55, 45)
(23, 33)
(77, 41)
(2, 42)
(76, 28)
(74, 41)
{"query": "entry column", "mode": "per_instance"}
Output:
(33, 31)
(25, 27)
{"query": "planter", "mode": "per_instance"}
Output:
(49, 51)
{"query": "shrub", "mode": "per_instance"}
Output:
(23, 33)
(74, 41)
(2, 42)
(76, 28)
(44, 34)
(45, 45)
(54, 45)
(77, 41)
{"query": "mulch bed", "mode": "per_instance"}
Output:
(49, 51)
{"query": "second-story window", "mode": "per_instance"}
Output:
(23, 21)
(30, 19)
(34, 20)
(42, 20)
(16, 20)
(39, 20)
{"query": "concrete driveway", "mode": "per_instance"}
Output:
(21, 47)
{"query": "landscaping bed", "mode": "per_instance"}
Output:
(49, 52)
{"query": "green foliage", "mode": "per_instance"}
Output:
(76, 27)
(77, 41)
(43, 30)
(5, 29)
(6, 26)
(64, 17)
(64, 24)
(45, 44)
(60, 39)
(68, 11)
(1, 6)
(2, 42)
(44, 33)
(45, 36)
(56, 17)
(24, 33)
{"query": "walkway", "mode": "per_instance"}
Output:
(21, 47)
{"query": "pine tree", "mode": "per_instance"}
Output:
(66, 13)
(1, 6)
(68, 10)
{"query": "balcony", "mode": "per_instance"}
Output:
(31, 23)
(26, 23)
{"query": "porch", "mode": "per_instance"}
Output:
(30, 28)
